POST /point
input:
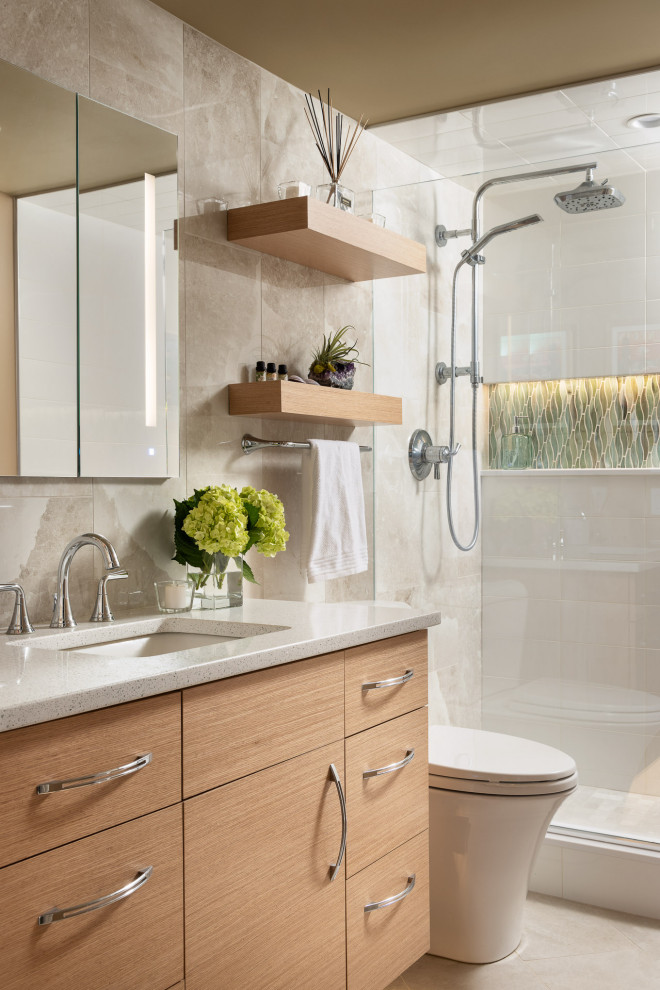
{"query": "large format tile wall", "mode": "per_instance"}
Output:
(416, 560)
(241, 131)
(571, 627)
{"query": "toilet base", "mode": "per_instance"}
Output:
(482, 849)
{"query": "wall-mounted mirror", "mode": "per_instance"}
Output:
(89, 287)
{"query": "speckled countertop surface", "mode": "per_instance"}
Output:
(42, 678)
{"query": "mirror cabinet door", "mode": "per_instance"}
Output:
(39, 393)
(128, 298)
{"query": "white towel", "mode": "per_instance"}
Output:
(338, 534)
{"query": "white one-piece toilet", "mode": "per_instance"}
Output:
(492, 797)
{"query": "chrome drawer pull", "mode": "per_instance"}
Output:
(389, 901)
(61, 914)
(408, 758)
(334, 869)
(102, 777)
(390, 682)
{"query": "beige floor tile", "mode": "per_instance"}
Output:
(433, 973)
(623, 970)
(643, 932)
(565, 928)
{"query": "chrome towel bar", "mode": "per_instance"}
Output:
(249, 444)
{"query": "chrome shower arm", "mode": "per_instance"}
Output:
(500, 180)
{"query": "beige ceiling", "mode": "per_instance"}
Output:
(392, 59)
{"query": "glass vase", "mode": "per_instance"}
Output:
(219, 584)
(336, 195)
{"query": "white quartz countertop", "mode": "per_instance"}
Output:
(43, 678)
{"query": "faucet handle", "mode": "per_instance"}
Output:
(102, 611)
(20, 620)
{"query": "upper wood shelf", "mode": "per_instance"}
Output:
(315, 404)
(312, 233)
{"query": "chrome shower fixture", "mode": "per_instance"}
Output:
(472, 256)
(590, 196)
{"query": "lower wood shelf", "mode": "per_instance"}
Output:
(315, 404)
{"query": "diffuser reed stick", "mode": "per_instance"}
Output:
(328, 135)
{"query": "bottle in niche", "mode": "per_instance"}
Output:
(260, 374)
(282, 373)
(271, 372)
(516, 447)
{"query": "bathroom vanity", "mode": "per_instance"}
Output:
(266, 816)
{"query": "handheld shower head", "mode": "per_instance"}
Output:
(472, 256)
(590, 196)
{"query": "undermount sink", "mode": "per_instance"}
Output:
(154, 645)
(146, 637)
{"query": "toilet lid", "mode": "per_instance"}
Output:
(474, 754)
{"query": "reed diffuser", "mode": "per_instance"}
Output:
(328, 132)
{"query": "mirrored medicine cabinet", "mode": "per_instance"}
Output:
(88, 287)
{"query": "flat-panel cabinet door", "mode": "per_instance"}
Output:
(262, 912)
(102, 913)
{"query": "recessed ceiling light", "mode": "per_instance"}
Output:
(644, 120)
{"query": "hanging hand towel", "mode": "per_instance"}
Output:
(338, 533)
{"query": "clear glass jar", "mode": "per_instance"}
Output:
(220, 584)
(336, 195)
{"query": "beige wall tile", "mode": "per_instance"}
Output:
(136, 59)
(48, 37)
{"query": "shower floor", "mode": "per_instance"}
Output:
(614, 813)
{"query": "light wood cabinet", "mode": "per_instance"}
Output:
(256, 826)
(135, 942)
(401, 660)
(243, 724)
(384, 941)
(261, 909)
(388, 808)
(80, 749)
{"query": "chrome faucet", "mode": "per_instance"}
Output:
(62, 615)
(20, 620)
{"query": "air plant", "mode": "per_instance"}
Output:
(334, 362)
(329, 135)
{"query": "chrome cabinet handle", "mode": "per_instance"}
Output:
(390, 682)
(394, 899)
(102, 777)
(391, 767)
(61, 914)
(334, 869)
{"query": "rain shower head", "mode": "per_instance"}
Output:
(472, 256)
(590, 196)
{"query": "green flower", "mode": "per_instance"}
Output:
(218, 523)
(266, 525)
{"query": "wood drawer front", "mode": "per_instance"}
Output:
(387, 810)
(261, 911)
(243, 724)
(137, 942)
(381, 661)
(76, 747)
(383, 943)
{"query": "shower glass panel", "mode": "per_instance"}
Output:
(563, 589)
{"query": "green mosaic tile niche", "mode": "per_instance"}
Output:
(581, 422)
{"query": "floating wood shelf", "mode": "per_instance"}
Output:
(315, 404)
(312, 233)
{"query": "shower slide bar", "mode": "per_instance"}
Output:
(249, 444)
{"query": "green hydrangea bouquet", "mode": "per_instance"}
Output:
(219, 523)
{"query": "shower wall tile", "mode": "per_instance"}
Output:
(606, 650)
(583, 314)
